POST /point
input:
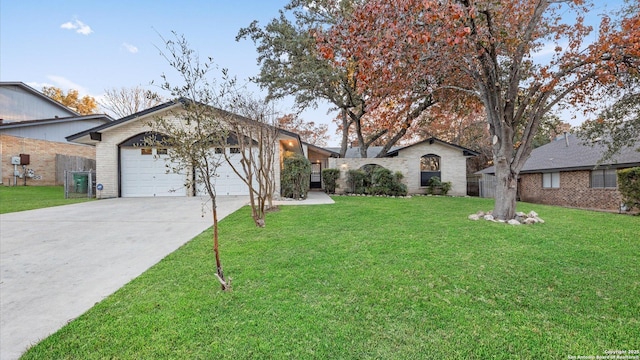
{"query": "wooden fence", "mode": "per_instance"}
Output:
(65, 163)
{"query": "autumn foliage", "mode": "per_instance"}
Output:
(85, 105)
(490, 51)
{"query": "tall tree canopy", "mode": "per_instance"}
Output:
(85, 105)
(296, 58)
(492, 51)
(618, 126)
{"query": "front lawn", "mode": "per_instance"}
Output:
(20, 198)
(379, 278)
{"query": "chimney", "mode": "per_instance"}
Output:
(566, 138)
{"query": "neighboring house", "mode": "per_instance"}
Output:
(20, 102)
(566, 172)
(33, 124)
(417, 162)
(127, 168)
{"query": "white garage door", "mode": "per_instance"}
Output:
(143, 173)
(227, 182)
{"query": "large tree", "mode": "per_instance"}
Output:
(85, 105)
(295, 52)
(123, 101)
(618, 125)
(493, 51)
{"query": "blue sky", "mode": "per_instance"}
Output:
(96, 45)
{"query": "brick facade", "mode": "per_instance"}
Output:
(107, 155)
(42, 157)
(453, 167)
(574, 191)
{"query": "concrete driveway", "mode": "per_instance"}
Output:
(58, 262)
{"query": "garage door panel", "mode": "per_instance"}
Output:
(145, 175)
(227, 181)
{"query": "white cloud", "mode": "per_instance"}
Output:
(78, 26)
(66, 84)
(130, 48)
(38, 86)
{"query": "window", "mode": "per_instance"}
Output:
(162, 151)
(219, 150)
(234, 150)
(429, 167)
(145, 151)
(551, 180)
(430, 163)
(604, 179)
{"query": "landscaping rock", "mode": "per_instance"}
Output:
(520, 219)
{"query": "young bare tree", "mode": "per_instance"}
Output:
(126, 101)
(193, 128)
(257, 140)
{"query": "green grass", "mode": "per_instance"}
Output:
(20, 198)
(378, 278)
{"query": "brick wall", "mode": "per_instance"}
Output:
(42, 157)
(453, 167)
(107, 153)
(574, 191)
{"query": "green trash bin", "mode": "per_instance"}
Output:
(81, 182)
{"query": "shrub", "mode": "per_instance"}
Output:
(629, 186)
(295, 177)
(358, 181)
(436, 187)
(383, 182)
(330, 178)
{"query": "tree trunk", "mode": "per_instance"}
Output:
(506, 191)
(216, 251)
(345, 133)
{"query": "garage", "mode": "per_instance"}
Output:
(227, 182)
(143, 173)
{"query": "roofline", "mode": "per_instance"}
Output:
(125, 119)
(466, 152)
(40, 94)
(160, 107)
(566, 169)
(27, 123)
(315, 147)
(578, 168)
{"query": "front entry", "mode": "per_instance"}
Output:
(316, 176)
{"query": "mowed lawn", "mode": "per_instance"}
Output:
(20, 198)
(379, 278)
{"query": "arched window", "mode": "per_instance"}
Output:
(429, 167)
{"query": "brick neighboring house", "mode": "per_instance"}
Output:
(32, 123)
(566, 173)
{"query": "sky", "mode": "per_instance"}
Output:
(91, 46)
